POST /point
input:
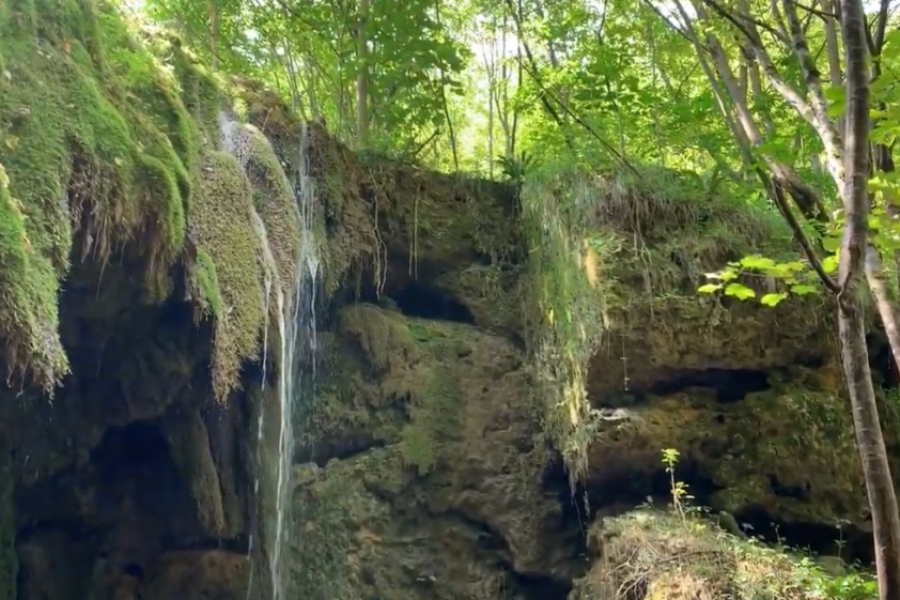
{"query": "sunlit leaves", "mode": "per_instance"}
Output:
(772, 300)
(795, 277)
(739, 291)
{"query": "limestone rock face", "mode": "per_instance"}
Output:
(456, 482)
(211, 574)
(782, 444)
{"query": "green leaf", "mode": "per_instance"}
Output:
(772, 299)
(757, 262)
(709, 288)
(739, 291)
(803, 289)
(830, 264)
(837, 100)
(831, 243)
(724, 275)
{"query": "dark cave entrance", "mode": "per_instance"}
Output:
(429, 301)
(421, 297)
(730, 385)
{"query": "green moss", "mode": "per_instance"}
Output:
(95, 133)
(775, 428)
(222, 217)
(436, 409)
(272, 195)
(334, 510)
(383, 337)
(28, 287)
(209, 282)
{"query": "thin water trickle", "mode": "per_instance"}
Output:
(298, 352)
(296, 315)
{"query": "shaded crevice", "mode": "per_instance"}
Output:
(849, 542)
(621, 489)
(487, 538)
(237, 545)
(345, 450)
(881, 360)
(783, 490)
(730, 385)
(530, 586)
(429, 301)
(134, 570)
(574, 505)
(533, 586)
(125, 448)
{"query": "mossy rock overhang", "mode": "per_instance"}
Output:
(617, 323)
(108, 135)
(654, 239)
(397, 230)
(749, 394)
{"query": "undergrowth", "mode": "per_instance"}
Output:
(657, 555)
(681, 554)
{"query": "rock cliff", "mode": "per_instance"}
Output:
(498, 372)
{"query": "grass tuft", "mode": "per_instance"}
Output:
(662, 555)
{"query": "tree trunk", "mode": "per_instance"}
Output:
(854, 354)
(362, 77)
(884, 301)
(214, 27)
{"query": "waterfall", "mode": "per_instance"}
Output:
(296, 315)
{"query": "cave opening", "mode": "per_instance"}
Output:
(430, 301)
(418, 298)
(730, 385)
(540, 587)
(129, 447)
(618, 490)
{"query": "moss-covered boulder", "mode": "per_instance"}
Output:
(652, 555)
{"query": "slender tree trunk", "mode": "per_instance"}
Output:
(214, 27)
(866, 422)
(450, 130)
(362, 77)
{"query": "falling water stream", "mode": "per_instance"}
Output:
(296, 315)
